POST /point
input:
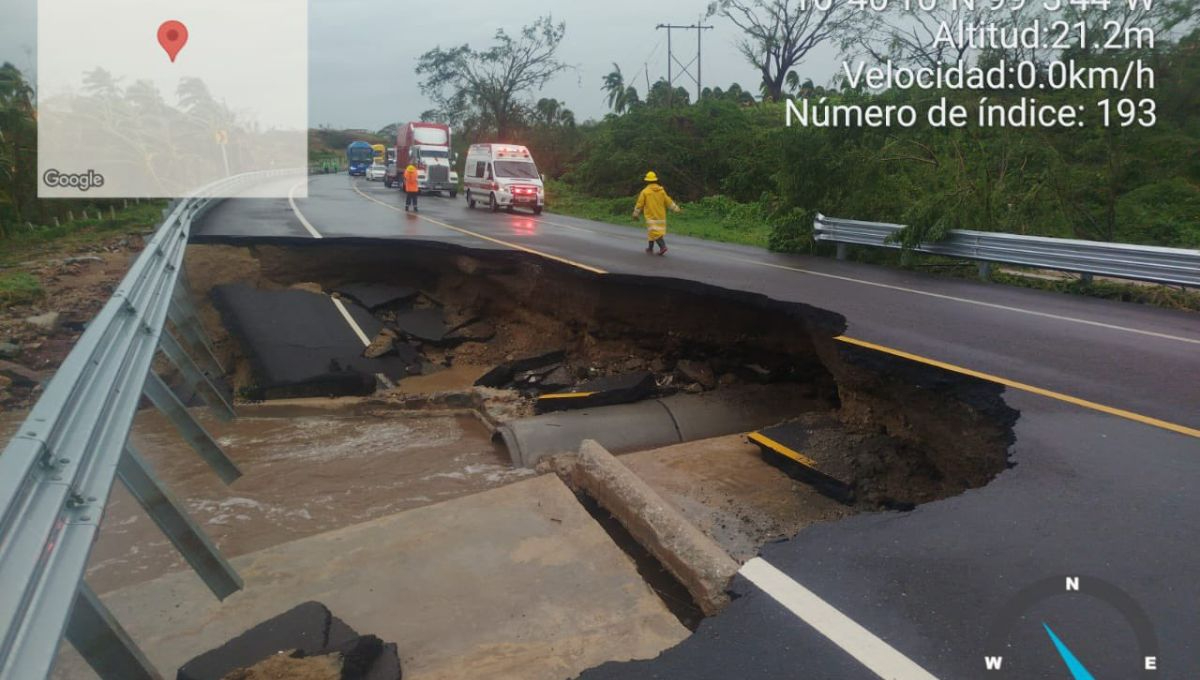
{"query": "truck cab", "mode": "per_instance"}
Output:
(503, 176)
(427, 147)
(434, 171)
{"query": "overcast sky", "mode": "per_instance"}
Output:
(363, 52)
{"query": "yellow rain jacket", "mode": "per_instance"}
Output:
(654, 202)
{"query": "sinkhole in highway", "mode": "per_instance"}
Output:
(515, 336)
(411, 420)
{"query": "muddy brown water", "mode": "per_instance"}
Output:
(306, 471)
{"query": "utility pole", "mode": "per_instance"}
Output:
(686, 68)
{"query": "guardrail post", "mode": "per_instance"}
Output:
(166, 401)
(985, 271)
(174, 521)
(195, 378)
(1085, 278)
(186, 320)
(103, 643)
(841, 251)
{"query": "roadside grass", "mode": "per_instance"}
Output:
(715, 218)
(19, 288)
(1167, 297)
(24, 243)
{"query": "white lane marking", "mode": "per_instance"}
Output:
(969, 301)
(350, 320)
(383, 379)
(292, 202)
(877, 655)
(915, 291)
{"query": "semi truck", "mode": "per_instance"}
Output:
(426, 146)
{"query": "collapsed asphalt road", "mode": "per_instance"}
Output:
(929, 583)
(597, 342)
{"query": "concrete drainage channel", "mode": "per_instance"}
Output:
(735, 420)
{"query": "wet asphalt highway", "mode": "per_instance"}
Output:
(1095, 494)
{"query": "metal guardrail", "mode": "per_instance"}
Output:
(57, 472)
(1177, 266)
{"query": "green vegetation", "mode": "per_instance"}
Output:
(327, 146)
(19, 288)
(1137, 185)
(715, 218)
(25, 242)
(28, 223)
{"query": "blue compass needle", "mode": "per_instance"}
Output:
(1078, 672)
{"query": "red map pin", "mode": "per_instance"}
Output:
(172, 35)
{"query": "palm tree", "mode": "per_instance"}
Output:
(553, 113)
(618, 93)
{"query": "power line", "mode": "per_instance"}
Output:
(686, 68)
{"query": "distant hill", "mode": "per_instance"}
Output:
(327, 143)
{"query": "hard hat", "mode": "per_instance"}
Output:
(651, 177)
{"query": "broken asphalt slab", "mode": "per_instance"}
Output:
(427, 324)
(503, 374)
(299, 343)
(606, 391)
(307, 628)
(373, 296)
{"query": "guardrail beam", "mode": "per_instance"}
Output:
(103, 643)
(199, 438)
(168, 513)
(196, 379)
(1167, 266)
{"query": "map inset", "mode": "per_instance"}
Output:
(140, 98)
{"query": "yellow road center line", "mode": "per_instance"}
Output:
(507, 244)
(783, 450)
(566, 395)
(1051, 394)
(1084, 403)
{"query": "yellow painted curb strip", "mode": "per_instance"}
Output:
(783, 450)
(1110, 410)
(566, 395)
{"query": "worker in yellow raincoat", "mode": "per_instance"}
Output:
(654, 202)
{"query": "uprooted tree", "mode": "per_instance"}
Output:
(489, 87)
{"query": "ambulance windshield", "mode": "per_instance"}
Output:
(516, 170)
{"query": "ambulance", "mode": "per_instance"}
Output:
(503, 176)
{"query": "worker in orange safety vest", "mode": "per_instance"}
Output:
(411, 188)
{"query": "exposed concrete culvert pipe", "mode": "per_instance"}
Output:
(652, 423)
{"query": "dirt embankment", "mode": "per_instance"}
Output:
(908, 433)
(35, 336)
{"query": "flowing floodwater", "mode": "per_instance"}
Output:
(306, 470)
